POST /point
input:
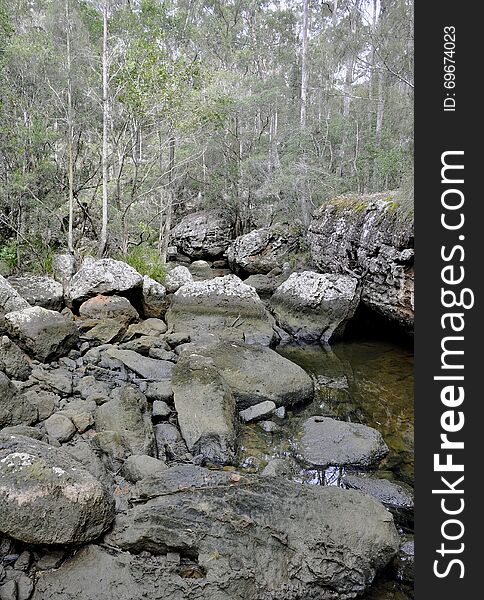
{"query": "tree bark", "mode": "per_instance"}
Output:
(70, 134)
(105, 102)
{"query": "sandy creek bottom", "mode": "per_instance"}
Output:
(363, 381)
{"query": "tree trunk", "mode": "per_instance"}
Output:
(105, 100)
(70, 133)
(169, 204)
(304, 67)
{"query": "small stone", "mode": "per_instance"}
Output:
(269, 426)
(52, 559)
(161, 409)
(258, 411)
(162, 354)
(60, 427)
(23, 561)
(280, 412)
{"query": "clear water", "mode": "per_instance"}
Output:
(362, 381)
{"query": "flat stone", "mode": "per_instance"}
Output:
(139, 466)
(257, 411)
(147, 368)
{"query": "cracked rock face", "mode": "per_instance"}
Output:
(315, 307)
(215, 534)
(37, 481)
(204, 234)
(371, 236)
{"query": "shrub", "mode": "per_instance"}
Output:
(146, 261)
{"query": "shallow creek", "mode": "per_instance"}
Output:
(363, 381)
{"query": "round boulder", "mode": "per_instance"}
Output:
(47, 497)
(109, 307)
(204, 234)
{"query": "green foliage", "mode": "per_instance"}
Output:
(146, 260)
(8, 254)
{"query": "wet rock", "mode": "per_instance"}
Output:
(278, 467)
(63, 268)
(46, 497)
(170, 443)
(328, 442)
(256, 374)
(222, 307)
(60, 427)
(13, 361)
(262, 250)
(314, 307)
(139, 466)
(257, 411)
(147, 368)
(205, 234)
(205, 408)
(404, 562)
(14, 408)
(373, 237)
(127, 414)
(154, 299)
(176, 278)
(42, 333)
(39, 290)
(397, 496)
(106, 276)
(109, 307)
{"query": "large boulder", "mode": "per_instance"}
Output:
(241, 537)
(42, 333)
(15, 409)
(176, 278)
(63, 267)
(39, 290)
(106, 276)
(47, 497)
(315, 307)
(257, 373)
(109, 307)
(128, 417)
(262, 250)
(205, 234)
(206, 409)
(373, 237)
(221, 307)
(327, 442)
(10, 300)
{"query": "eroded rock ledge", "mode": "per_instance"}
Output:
(370, 237)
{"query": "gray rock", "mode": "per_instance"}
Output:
(278, 467)
(256, 374)
(44, 401)
(26, 431)
(161, 409)
(152, 327)
(109, 307)
(144, 344)
(91, 389)
(51, 559)
(127, 414)
(397, 496)
(82, 450)
(58, 380)
(60, 427)
(39, 290)
(328, 442)
(176, 278)
(206, 409)
(372, 236)
(160, 391)
(257, 411)
(42, 333)
(106, 276)
(154, 299)
(147, 368)
(265, 285)
(315, 307)
(170, 444)
(8, 590)
(204, 234)
(290, 541)
(46, 497)
(63, 268)
(139, 466)
(13, 361)
(25, 587)
(10, 299)
(262, 250)
(222, 307)
(162, 354)
(404, 562)
(14, 408)
(107, 332)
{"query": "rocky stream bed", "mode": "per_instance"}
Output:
(219, 436)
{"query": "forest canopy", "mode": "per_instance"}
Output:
(117, 117)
